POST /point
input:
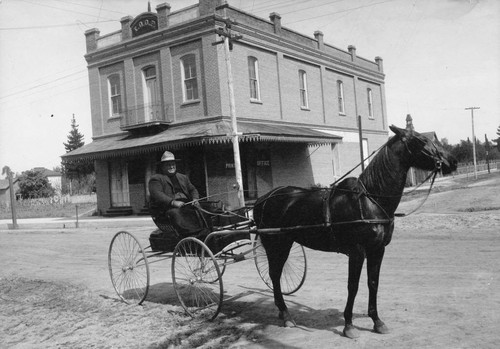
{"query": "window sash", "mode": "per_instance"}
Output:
(303, 89)
(370, 103)
(115, 95)
(340, 96)
(190, 82)
(253, 76)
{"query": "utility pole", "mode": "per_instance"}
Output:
(227, 41)
(473, 139)
(487, 147)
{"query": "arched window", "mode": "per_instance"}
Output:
(115, 97)
(189, 80)
(370, 102)
(340, 97)
(304, 103)
(253, 77)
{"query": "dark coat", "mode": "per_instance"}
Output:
(162, 192)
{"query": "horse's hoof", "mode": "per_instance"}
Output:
(381, 328)
(351, 332)
(288, 321)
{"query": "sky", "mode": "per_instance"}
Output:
(439, 56)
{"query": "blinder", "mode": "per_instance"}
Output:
(434, 153)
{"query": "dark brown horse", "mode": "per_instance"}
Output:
(355, 217)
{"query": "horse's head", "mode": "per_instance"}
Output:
(424, 153)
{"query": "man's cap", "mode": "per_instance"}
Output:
(168, 156)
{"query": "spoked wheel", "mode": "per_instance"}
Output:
(294, 270)
(197, 279)
(128, 268)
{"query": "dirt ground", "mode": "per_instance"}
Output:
(439, 288)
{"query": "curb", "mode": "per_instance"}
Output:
(72, 224)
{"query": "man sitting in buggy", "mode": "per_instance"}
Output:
(170, 191)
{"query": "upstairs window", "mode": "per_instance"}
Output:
(304, 103)
(370, 103)
(115, 97)
(253, 77)
(189, 79)
(340, 97)
(151, 94)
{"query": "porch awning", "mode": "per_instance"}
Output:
(197, 134)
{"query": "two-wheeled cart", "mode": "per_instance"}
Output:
(197, 262)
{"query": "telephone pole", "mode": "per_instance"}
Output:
(227, 40)
(473, 139)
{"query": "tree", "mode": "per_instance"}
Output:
(75, 138)
(76, 170)
(33, 184)
(498, 139)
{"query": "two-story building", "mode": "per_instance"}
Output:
(161, 83)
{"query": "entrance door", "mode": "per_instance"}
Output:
(151, 96)
(119, 184)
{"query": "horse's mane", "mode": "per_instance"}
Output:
(380, 172)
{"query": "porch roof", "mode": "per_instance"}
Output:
(217, 132)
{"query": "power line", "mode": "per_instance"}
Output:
(56, 25)
(40, 85)
(61, 9)
(341, 11)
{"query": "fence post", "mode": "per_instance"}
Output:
(76, 206)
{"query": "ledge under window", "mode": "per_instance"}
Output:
(342, 114)
(256, 101)
(305, 108)
(114, 117)
(193, 101)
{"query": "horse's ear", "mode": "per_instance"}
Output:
(401, 132)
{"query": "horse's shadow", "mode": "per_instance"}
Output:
(250, 304)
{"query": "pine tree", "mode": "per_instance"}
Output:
(81, 171)
(75, 138)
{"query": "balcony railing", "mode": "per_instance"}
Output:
(145, 115)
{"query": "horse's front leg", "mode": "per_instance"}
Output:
(356, 260)
(374, 262)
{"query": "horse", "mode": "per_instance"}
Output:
(354, 217)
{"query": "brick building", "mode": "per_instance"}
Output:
(160, 84)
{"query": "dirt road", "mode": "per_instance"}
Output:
(439, 288)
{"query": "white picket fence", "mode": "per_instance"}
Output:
(56, 200)
(468, 168)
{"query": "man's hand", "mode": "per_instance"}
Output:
(177, 204)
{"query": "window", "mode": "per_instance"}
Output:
(370, 103)
(115, 105)
(253, 76)
(340, 97)
(189, 81)
(151, 94)
(303, 89)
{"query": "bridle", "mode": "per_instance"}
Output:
(438, 164)
(434, 155)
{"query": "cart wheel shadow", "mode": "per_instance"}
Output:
(248, 305)
(162, 293)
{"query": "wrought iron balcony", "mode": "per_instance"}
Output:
(145, 115)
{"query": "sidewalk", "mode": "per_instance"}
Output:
(84, 222)
(450, 180)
